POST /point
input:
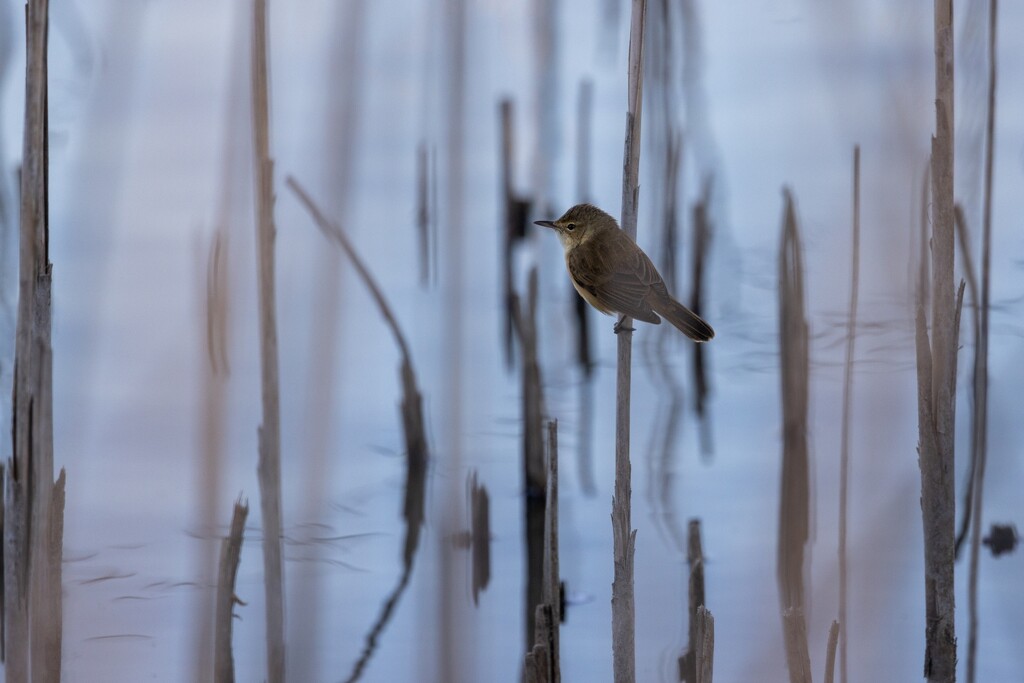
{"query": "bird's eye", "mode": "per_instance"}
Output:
(570, 227)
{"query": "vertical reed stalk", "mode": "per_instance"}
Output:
(937, 377)
(269, 468)
(33, 505)
(623, 610)
(844, 457)
(980, 432)
(794, 505)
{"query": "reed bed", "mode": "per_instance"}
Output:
(32, 641)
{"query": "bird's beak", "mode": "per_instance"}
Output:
(546, 224)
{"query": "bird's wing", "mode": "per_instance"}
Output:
(618, 275)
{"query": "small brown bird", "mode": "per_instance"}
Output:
(614, 275)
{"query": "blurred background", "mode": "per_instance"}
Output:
(388, 113)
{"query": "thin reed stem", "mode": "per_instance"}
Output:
(623, 615)
(269, 469)
(844, 457)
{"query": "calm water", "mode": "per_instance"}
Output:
(150, 150)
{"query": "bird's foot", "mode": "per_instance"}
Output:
(619, 327)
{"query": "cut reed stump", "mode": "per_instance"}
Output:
(224, 608)
(623, 535)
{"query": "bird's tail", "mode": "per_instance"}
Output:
(685, 320)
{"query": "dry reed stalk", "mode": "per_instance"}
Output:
(413, 427)
(979, 441)
(230, 556)
(540, 666)
(798, 658)
(844, 454)
(794, 496)
(705, 646)
(830, 652)
(209, 468)
(937, 377)
(624, 536)
(269, 468)
(33, 506)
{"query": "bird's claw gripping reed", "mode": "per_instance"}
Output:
(615, 276)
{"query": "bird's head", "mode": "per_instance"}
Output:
(579, 224)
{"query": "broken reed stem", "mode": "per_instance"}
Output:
(417, 452)
(797, 656)
(33, 504)
(230, 556)
(794, 513)
(937, 388)
(269, 469)
(980, 422)
(705, 647)
(333, 231)
(830, 652)
(624, 536)
(844, 457)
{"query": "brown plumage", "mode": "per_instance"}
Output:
(614, 275)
